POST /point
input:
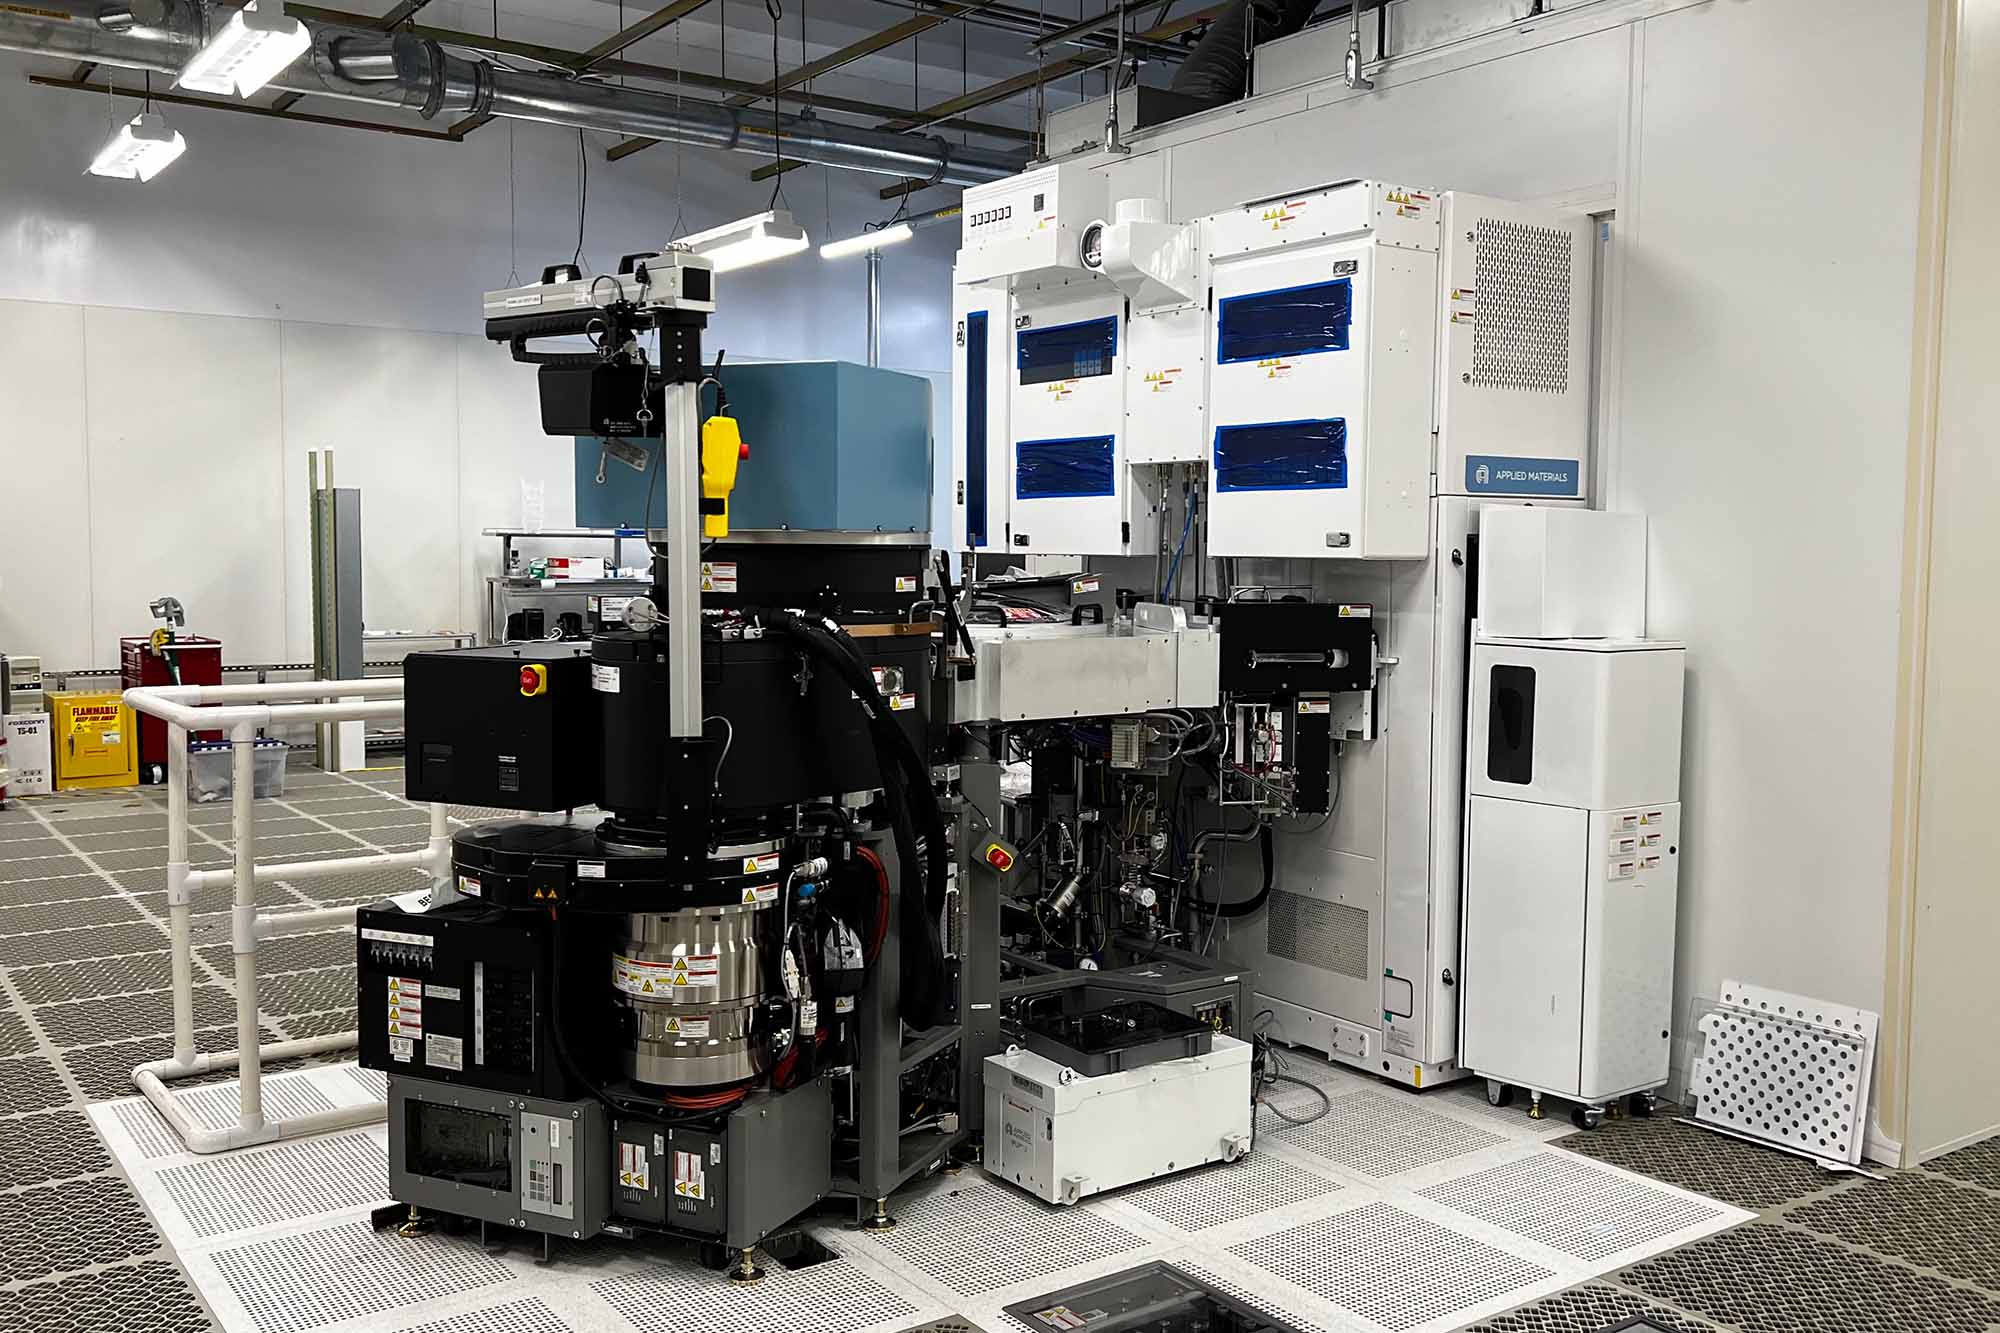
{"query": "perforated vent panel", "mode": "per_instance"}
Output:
(1520, 339)
(293, 1283)
(832, 1297)
(1572, 1208)
(1787, 1069)
(1393, 1267)
(1332, 936)
(984, 1237)
(236, 1191)
(1379, 1137)
(529, 1316)
(1197, 1200)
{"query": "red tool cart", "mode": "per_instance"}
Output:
(142, 662)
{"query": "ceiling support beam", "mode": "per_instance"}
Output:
(638, 32)
(248, 109)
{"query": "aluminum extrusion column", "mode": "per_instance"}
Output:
(680, 455)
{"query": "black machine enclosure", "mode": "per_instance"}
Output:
(1282, 649)
(473, 737)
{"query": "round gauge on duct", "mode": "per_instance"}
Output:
(1091, 249)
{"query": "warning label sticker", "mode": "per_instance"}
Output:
(760, 865)
(401, 1048)
(406, 1007)
(634, 1167)
(760, 893)
(906, 583)
(696, 972)
(689, 1180)
(695, 1025)
(718, 576)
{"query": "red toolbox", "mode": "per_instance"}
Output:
(200, 661)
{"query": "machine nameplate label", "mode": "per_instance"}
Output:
(603, 678)
(437, 992)
(1493, 474)
(444, 1052)
(590, 870)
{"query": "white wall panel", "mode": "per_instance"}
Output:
(1765, 353)
(1540, 124)
(186, 478)
(386, 403)
(44, 493)
(501, 445)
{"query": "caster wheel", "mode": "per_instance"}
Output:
(1498, 1093)
(1641, 1105)
(1587, 1117)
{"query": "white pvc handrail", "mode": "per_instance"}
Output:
(241, 710)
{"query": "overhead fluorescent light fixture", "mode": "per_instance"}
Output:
(143, 147)
(757, 239)
(880, 239)
(247, 52)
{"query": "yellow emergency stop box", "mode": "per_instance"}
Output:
(95, 740)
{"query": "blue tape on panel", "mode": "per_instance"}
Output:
(1282, 456)
(1058, 469)
(1493, 474)
(1294, 321)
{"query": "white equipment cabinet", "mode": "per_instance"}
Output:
(1063, 1136)
(1572, 849)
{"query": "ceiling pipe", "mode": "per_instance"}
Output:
(416, 73)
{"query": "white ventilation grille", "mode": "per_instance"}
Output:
(529, 1316)
(237, 1191)
(830, 1297)
(153, 1136)
(300, 1282)
(1378, 1136)
(1393, 1267)
(1520, 336)
(982, 1237)
(1332, 936)
(1787, 1069)
(373, 1081)
(1557, 1200)
(1197, 1200)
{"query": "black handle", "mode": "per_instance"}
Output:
(1096, 610)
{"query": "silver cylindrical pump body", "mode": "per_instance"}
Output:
(693, 981)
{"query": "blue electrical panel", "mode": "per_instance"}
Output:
(833, 446)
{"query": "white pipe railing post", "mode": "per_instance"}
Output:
(241, 710)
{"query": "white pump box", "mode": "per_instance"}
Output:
(1561, 573)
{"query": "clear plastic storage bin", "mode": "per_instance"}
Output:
(209, 769)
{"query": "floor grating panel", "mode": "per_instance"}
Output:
(1590, 1308)
(1554, 1199)
(1389, 1266)
(981, 1237)
(1931, 1223)
(1379, 1136)
(1745, 1174)
(832, 1297)
(288, 1284)
(1214, 1195)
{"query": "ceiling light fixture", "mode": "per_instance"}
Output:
(247, 52)
(879, 239)
(143, 147)
(757, 239)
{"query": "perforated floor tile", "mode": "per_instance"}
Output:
(93, 1223)
(67, 889)
(372, 1081)
(1770, 1279)
(1932, 1223)
(30, 1083)
(98, 976)
(55, 1145)
(1197, 1200)
(214, 1107)
(831, 1297)
(1976, 1165)
(1721, 1167)
(1393, 1267)
(307, 992)
(61, 946)
(288, 1284)
(22, 848)
(83, 819)
(265, 1186)
(982, 1237)
(15, 1039)
(528, 1316)
(1381, 1136)
(291, 953)
(106, 1071)
(1591, 1308)
(103, 911)
(90, 844)
(1556, 1200)
(135, 858)
(41, 867)
(153, 1297)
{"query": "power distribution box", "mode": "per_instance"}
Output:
(515, 726)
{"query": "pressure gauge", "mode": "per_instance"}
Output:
(1091, 251)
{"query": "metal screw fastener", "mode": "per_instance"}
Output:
(1465, 378)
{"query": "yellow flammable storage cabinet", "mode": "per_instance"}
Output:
(95, 741)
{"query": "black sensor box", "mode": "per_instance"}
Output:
(514, 726)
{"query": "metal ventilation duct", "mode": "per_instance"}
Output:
(414, 72)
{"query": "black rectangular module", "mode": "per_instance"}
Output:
(1287, 648)
(604, 400)
(1310, 745)
(1095, 1038)
(1153, 1298)
(514, 726)
(461, 995)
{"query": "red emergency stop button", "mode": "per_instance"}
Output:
(534, 680)
(743, 451)
(999, 857)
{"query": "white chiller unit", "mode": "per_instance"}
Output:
(1572, 848)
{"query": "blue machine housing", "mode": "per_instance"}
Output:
(833, 446)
